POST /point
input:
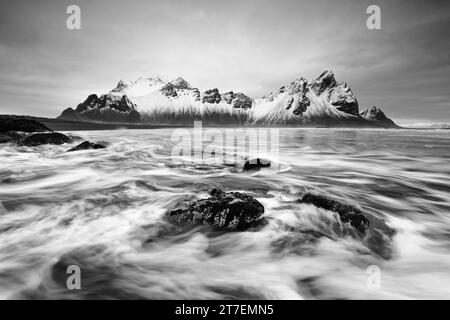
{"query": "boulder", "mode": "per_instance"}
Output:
(211, 96)
(45, 138)
(87, 145)
(229, 211)
(256, 164)
(22, 124)
(347, 213)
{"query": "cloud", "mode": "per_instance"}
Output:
(251, 46)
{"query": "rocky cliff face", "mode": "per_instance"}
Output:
(321, 101)
(375, 115)
(106, 108)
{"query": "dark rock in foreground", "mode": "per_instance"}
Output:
(225, 210)
(255, 164)
(87, 145)
(45, 138)
(347, 213)
(22, 124)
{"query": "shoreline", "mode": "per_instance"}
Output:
(68, 125)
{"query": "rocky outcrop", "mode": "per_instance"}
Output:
(107, 108)
(225, 210)
(71, 115)
(169, 90)
(211, 96)
(347, 214)
(256, 164)
(45, 138)
(343, 99)
(324, 81)
(105, 101)
(21, 124)
(180, 83)
(237, 100)
(87, 145)
(375, 114)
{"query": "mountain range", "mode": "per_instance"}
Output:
(150, 100)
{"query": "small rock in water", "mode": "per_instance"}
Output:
(258, 163)
(45, 138)
(347, 213)
(87, 145)
(225, 210)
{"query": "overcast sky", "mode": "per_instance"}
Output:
(250, 46)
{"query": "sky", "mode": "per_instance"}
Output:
(252, 46)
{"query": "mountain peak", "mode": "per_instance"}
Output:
(180, 83)
(324, 81)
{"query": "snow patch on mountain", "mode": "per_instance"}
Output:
(322, 101)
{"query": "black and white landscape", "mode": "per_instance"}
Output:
(246, 169)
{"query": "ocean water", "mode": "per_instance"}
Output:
(104, 211)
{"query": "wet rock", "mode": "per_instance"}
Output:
(45, 138)
(211, 96)
(347, 213)
(17, 123)
(225, 210)
(256, 164)
(87, 145)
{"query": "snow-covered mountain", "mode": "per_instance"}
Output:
(106, 108)
(375, 114)
(321, 102)
(178, 102)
